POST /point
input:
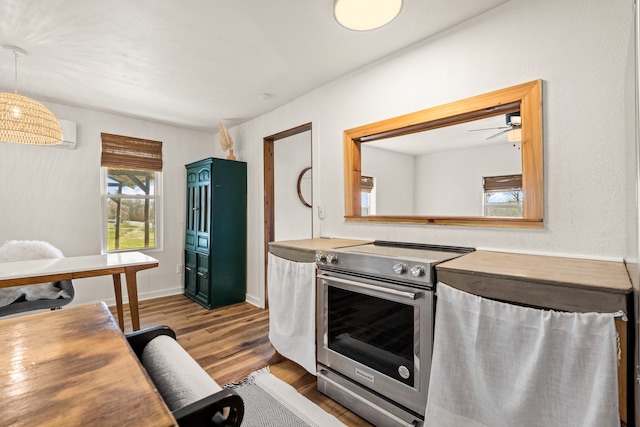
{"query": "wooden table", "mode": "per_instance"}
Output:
(73, 367)
(51, 270)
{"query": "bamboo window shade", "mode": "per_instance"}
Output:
(503, 183)
(126, 152)
(366, 184)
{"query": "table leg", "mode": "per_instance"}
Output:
(117, 289)
(132, 292)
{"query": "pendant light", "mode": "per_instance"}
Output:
(364, 15)
(23, 120)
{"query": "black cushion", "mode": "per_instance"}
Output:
(21, 304)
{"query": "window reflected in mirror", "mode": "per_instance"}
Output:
(503, 196)
(367, 186)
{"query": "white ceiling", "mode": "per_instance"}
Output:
(196, 63)
(473, 134)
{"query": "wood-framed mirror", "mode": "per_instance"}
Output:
(504, 124)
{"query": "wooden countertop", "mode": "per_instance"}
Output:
(544, 281)
(304, 250)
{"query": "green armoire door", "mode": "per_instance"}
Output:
(215, 263)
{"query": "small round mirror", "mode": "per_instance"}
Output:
(304, 187)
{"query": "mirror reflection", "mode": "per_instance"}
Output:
(477, 161)
(468, 169)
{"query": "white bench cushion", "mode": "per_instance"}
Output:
(177, 376)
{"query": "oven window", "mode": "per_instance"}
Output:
(373, 331)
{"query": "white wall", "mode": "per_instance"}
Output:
(291, 156)
(53, 194)
(394, 175)
(580, 49)
(449, 183)
(633, 193)
(441, 183)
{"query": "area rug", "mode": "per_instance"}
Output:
(270, 402)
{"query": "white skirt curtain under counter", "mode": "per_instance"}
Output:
(292, 308)
(497, 364)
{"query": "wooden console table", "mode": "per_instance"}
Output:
(74, 367)
(53, 269)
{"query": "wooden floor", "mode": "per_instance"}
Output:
(230, 343)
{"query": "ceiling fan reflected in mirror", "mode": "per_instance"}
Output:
(512, 128)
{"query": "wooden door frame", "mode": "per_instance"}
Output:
(269, 193)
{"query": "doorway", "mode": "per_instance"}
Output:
(270, 187)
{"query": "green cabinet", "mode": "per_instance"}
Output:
(215, 266)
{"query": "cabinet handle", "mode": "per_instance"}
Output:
(188, 268)
(195, 209)
(200, 273)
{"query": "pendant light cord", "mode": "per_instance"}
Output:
(15, 90)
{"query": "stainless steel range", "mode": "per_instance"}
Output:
(375, 328)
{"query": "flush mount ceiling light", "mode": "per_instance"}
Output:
(364, 15)
(23, 120)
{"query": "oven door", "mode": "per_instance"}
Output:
(377, 334)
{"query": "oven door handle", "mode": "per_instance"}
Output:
(403, 294)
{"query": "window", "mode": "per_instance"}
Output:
(503, 196)
(132, 177)
(367, 195)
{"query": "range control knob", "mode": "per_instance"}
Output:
(400, 268)
(417, 270)
(332, 259)
(320, 257)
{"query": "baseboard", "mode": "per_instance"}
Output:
(158, 294)
(146, 295)
(253, 301)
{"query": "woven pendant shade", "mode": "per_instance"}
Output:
(25, 121)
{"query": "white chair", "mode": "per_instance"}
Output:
(33, 297)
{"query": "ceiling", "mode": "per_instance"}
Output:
(473, 134)
(200, 62)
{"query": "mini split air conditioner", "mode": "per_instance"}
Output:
(69, 139)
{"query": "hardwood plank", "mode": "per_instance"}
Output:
(231, 342)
